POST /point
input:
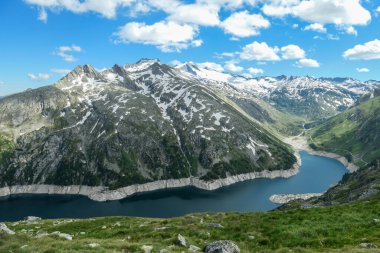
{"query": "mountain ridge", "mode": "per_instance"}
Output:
(130, 125)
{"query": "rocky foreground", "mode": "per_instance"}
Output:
(346, 228)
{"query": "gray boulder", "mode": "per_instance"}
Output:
(180, 240)
(223, 246)
(215, 225)
(366, 245)
(6, 230)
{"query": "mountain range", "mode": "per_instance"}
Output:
(148, 121)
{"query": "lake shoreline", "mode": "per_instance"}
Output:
(101, 194)
(299, 143)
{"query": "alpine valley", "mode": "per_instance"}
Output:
(141, 127)
(149, 122)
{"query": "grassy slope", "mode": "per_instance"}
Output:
(324, 229)
(354, 133)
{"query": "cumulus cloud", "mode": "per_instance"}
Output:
(259, 52)
(39, 76)
(168, 36)
(316, 27)
(367, 51)
(231, 66)
(66, 52)
(196, 14)
(338, 12)
(350, 30)
(243, 24)
(362, 70)
(307, 63)
(291, 52)
(255, 71)
(211, 66)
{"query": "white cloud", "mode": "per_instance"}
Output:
(294, 26)
(378, 9)
(338, 12)
(42, 16)
(107, 8)
(317, 27)
(243, 24)
(168, 36)
(39, 76)
(291, 52)
(196, 14)
(255, 71)
(332, 37)
(307, 63)
(362, 70)
(366, 51)
(350, 30)
(231, 66)
(65, 52)
(212, 66)
(175, 63)
(259, 52)
(60, 71)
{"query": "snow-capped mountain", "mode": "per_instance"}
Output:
(304, 96)
(131, 124)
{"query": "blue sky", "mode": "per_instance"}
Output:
(40, 40)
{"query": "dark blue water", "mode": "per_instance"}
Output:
(316, 175)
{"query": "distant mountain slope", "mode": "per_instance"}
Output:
(127, 125)
(354, 133)
(308, 97)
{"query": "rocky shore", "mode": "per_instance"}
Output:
(104, 194)
(285, 198)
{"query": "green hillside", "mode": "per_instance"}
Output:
(324, 229)
(354, 133)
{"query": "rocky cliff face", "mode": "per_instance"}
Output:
(127, 125)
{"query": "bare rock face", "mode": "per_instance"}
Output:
(222, 247)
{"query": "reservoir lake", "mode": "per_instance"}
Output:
(316, 175)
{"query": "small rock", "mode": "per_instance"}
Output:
(41, 234)
(161, 228)
(367, 245)
(375, 220)
(194, 248)
(82, 233)
(32, 218)
(104, 227)
(180, 240)
(147, 248)
(5, 229)
(223, 246)
(24, 246)
(93, 245)
(215, 225)
(63, 235)
(251, 237)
